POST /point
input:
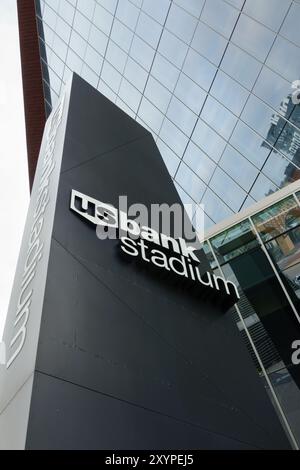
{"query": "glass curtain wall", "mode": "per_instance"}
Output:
(211, 79)
(261, 255)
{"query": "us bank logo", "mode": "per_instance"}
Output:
(172, 254)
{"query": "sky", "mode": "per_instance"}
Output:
(14, 185)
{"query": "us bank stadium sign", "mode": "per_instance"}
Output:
(156, 250)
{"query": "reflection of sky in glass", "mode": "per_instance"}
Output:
(269, 13)
(218, 117)
(208, 140)
(214, 207)
(253, 37)
(201, 139)
(240, 169)
(241, 66)
(190, 182)
(229, 93)
(227, 189)
(199, 162)
(290, 28)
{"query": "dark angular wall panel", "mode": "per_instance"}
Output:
(125, 360)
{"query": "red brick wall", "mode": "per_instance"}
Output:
(32, 82)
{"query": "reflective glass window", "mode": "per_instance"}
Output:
(81, 25)
(173, 137)
(234, 242)
(78, 44)
(214, 207)
(138, 3)
(53, 4)
(190, 93)
(48, 35)
(56, 64)
(55, 82)
(262, 119)
(185, 198)
(200, 163)
(241, 66)
(165, 72)
(49, 17)
(102, 19)
(158, 94)
(208, 140)
(181, 23)
(98, 40)
(285, 253)
(269, 12)
(238, 168)
(106, 90)
(236, 3)
(130, 95)
(121, 104)
(170, 158)
(158, 10)
(116, 56)
(110, 5)
(229, 93)
(227, 190)
(218, 117)
(284, 59)
(66, 11)
(209, 43)
(121, 35)
(209, 254)
(277, 219)
(279, 170)
(172, 48)
(220, 16)
(194, 7)
(208, 223)
(60, 47)
(249, 144)
(74, 62)
(127, 13)
(262, 187)
(111, 76)
(64, 30)
(93, 59)
(89, 75)
(294, 116)
(253, 37)
(151, 115)
(135, 74)
(290, 28)
(148, 29)
(142, 52)
(199, 69)
(249, 201)
(180, 115)
(272, 88)
(190, 182)
(86, 7)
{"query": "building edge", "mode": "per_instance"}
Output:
(34, 110)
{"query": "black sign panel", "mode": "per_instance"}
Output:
(127, 359)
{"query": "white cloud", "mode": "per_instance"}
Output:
(14, 190)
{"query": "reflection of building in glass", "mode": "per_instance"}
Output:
(286, 138)
(260, 251)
